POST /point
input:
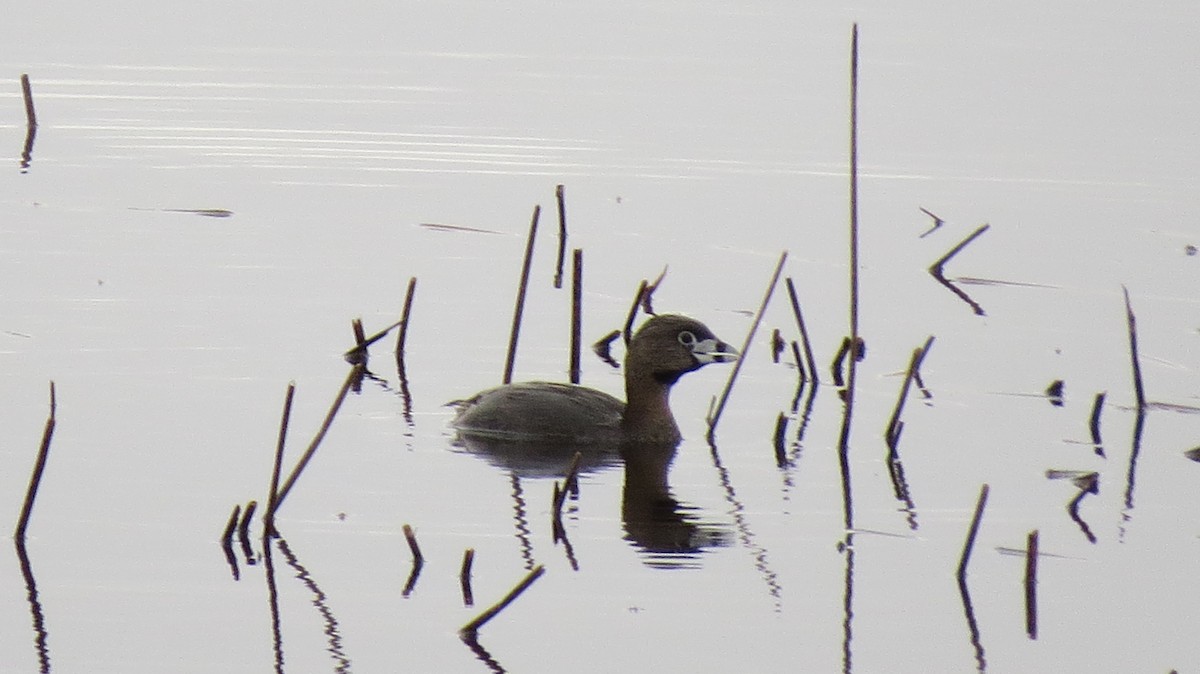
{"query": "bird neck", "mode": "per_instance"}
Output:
(648, 409)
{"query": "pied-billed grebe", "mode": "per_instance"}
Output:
(665, 348)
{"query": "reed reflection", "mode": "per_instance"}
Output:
(40, 635)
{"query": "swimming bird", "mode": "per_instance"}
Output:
(664, 349)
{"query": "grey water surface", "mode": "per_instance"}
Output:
(215, 190)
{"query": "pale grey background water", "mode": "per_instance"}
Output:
(704, 136)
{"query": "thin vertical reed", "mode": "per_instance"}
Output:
(39, 467)
(1138, 390)
(576, 312)
(519, 307)
(1031, 560)
(562, 236)
(852, 369)
(277, 465)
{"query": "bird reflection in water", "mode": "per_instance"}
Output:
(669, 534)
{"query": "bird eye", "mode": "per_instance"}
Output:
(687, 339)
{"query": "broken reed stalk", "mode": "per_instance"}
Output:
(27, 94)
(1138, 390)
(39, 467)
(852, 370)
(354, 374)
(408, 300)
(891, 434)
(633, 309)
(519, 307)
(277, 466)
(469, 630)
(464, 577)
(562, 235)
(737, 365)
(244, 526)
(937, 271)
(799, 363)
(1031, 559)
(1094, 424)
(411, 538)
(969, 544)
(647, 297)
(808, 352)
(576, 313)
(231, 526)
(362, 342)
(570, 484)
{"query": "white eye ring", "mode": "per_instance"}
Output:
(687, 339)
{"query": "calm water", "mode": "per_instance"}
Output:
(708, 138)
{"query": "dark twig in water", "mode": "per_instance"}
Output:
(277, 466)
(808, 352)
(469, 630)
(39, 467)
(519, 306)
(464, 577)
(969, 543)
(937, 222)
(354, 374)
(715, 417)
(633, 309)
(1031, 560)
(1055, 392)
(1094, 424)
(603, 348)
(1138, 390)
(576, 312)
(562, 236)
(937, 270)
